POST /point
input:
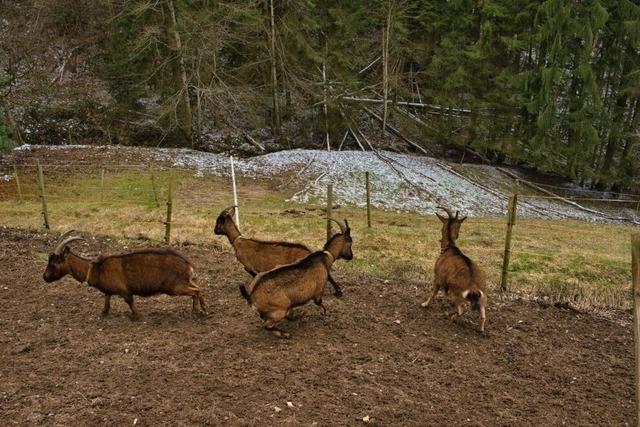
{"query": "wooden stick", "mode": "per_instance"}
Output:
(167, 229)
(102, 186)
(511, 221)
(153, 187)
(17, 178)
(344, 138)
(329, 209)
(235, 194)
(406, 104)
(368, 189)
(325, 90)
(43, 197)
(395, 131)
(635, 273)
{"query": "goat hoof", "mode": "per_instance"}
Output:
(104, 314)
(338, 294)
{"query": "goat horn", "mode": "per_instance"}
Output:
(228, 210)
(346, 224)
(457, 212)
(65, 234)
(339, 225)
(447, 210)
(65, 242)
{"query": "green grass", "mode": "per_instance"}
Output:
(584, 263)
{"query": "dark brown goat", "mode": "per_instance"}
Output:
(143, 272)
(274, 294)
(258, 256)
(460, 277)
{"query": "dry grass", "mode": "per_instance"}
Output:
(570, 261)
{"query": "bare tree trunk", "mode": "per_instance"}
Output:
(324, 103)
(198, 94)
(274, 77)
(14, 131)
(183, 106)
(385, 68)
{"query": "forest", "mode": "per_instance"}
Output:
(551, 85)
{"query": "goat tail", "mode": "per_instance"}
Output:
(245, 294)
(474, 298)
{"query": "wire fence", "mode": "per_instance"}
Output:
(134, 197)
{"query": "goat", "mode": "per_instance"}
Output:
(274, 294)
(143, 272)
(460, 277)
(258, 256)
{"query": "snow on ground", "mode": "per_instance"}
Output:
(399, 182)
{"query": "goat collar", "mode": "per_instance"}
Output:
(330, 255)
(239, 236)
(446, 248)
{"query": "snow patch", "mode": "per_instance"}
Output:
(399, 182)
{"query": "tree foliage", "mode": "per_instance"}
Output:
(551, 84)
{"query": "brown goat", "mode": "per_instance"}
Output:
(143, 272)
(460, 277)
(258, 256)
(274, 294)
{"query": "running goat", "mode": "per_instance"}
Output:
(258, 256)
(143, 272)
(460, 277)
(274, 294)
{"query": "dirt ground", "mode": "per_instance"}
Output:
(375, 354)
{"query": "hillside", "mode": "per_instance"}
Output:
(400, 182)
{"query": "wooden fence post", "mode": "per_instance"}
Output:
(167, 229)
(511, 221)
(635, 274)
(153, 187)
(43, 197)
(17, 178)
(235, 194)
(102, 186)
(368, 189)
(329, 209)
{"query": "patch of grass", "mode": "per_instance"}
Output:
(582, 263)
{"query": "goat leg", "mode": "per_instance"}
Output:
(318, 301)
(336, 287)
(203, 306)
(134, 312)
(483, 317)
(291, 315)
(434, 292)
(107, 305)
(270, 325)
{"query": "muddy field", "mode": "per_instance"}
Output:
(376, 354)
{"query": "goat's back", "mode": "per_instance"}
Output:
(146, 271)
(259, 256)
(459, 273)
(295, 283)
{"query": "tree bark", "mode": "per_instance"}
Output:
(14, 132)
(385, 68)
(275, 124)
(183, 105)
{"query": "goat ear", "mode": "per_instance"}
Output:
(443, 219)
(462, 220)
